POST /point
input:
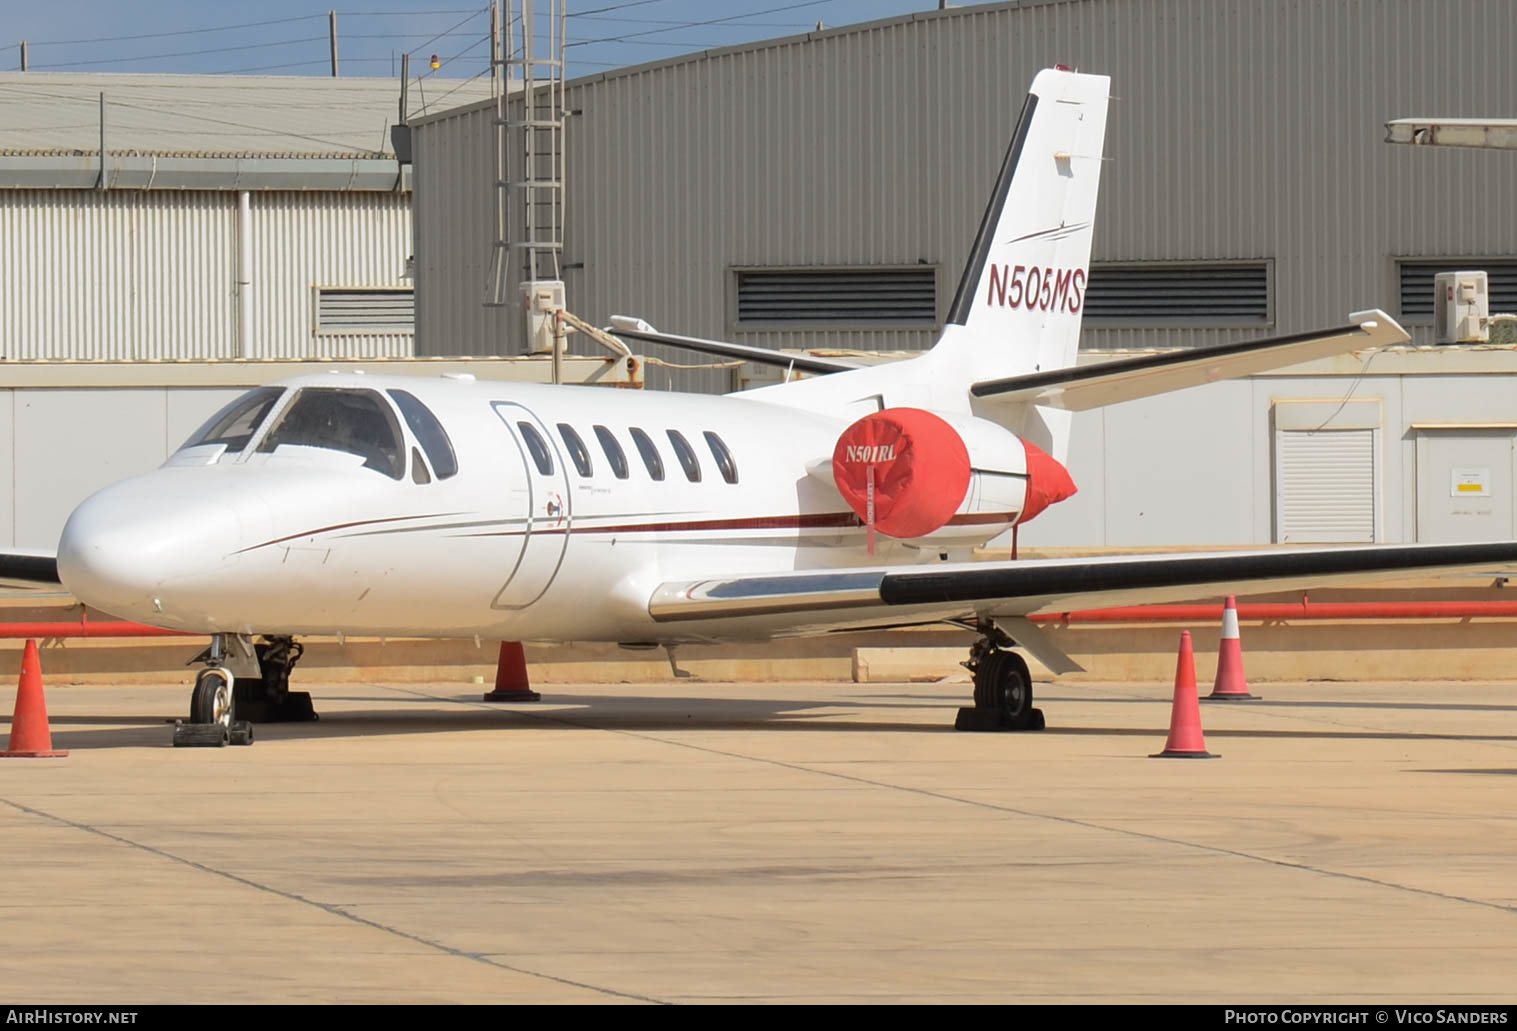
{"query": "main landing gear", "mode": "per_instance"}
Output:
(267, 698)
(1002, 686)
(242, 684)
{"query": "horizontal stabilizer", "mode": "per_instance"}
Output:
(637, 329)
(1127, 379)
(29, 569)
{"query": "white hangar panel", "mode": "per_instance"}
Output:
(7, 468)
(1082, 518)
(70, 443)
(186, 409)
(1179, 468)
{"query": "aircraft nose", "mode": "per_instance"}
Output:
(129, 548)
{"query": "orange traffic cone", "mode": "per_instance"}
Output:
(1231, 685)
(1185, 739)
(30, 736)
(511, 684)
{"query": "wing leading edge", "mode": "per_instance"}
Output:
(1079, 389)
(816, 598)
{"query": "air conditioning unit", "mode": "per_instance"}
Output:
(1462, 307)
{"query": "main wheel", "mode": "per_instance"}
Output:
(1004, 683)
(212, 700)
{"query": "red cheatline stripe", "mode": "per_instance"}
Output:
(344, 526)
(823, 520)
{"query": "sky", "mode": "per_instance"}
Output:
(291, 37)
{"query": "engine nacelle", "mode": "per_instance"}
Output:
(932, 479)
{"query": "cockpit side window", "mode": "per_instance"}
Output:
(429, 433)
(355, 421)
(235, 424)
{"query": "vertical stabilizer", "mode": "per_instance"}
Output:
(1018, 305)
(1017, 308)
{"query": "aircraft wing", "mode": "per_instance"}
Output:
(29, 568)
(1095, 386)
(636, 329)
(815, 598)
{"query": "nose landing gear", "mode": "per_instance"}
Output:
(213, 703)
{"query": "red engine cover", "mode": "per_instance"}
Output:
(1048, 482)
(921, 470)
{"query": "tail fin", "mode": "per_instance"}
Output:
(1017, 308)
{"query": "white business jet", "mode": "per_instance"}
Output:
(391, 506)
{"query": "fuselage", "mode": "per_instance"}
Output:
(354, 504)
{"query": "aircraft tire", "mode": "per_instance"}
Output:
(212, 699)
(1015, 692)
(987, 677)
(1004, 683)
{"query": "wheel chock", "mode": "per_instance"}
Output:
(986, 721)
(201, 735)
(240, 733)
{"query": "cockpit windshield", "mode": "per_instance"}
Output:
(235, 424)
(354, 421)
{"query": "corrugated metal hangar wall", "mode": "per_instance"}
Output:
(128, 274)
(1248, 192)
(136, 253)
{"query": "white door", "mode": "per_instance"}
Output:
(536, 471)
(1464, 485)
(1325, 486)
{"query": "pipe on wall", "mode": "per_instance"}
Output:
(244, 274)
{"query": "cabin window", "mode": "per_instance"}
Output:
(723, 457)
(614, 453)
(541, 456)
(686, 455)
(578, 453)
(236, 423)
(650, 453)
(428, 432)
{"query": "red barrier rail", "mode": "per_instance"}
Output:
(1264, 612)
(1296, 610)
(86, 628)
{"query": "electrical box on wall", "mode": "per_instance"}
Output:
(1462, 307)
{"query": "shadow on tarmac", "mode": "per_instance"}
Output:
(395, 714)
(556, 713)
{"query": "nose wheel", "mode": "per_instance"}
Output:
(1002, 690)
(213, 704)
(212, 701)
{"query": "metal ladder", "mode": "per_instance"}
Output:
(529, 154)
